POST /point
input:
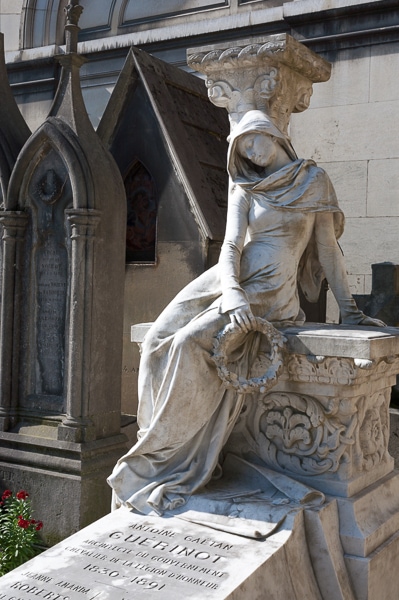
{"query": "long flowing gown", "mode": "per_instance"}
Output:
(185, 412)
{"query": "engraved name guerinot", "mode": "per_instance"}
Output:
(125, 556)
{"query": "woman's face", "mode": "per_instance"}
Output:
(258, 148)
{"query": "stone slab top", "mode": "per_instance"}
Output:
(137, 332)
(344, 341)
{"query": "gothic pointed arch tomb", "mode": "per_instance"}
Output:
(63, 223)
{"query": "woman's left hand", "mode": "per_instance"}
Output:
(362, 319)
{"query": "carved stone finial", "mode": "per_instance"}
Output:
(73, 11)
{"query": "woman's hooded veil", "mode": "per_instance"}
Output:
(254, 121)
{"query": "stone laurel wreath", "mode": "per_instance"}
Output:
(262, 384)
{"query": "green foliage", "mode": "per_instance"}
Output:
(19, 537)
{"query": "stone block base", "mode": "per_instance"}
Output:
(371, 517)
(66, 481)
(376, 577)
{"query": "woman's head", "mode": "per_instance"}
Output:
(256, 141)
(258, 148)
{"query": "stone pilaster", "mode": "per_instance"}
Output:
(13, 225)
(76, 426)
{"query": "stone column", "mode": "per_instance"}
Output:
(13, 225)
(82, 225)
(274, 74)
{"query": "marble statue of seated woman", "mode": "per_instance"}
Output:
(282, 228)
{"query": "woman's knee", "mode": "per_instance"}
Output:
(199, 333)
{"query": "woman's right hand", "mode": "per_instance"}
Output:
(243, 317)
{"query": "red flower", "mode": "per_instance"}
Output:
(39, 526)
(6, 494)
(22, 495)
(24, 523)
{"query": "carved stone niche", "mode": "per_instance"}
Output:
(274, 74)
(326, 422)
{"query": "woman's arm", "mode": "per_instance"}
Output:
(332, 261)
(234, 299)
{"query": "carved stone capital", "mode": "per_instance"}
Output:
(335, 444)
(326, 421)
(274, 74)
(83, 223)
(13, 224)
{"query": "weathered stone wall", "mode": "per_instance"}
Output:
(10, 22)
(350, 131)
(393, 447)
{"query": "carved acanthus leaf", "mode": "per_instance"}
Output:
(265, 87)
(295, 432)
(329, 370)
(333, 370)
(373, 433)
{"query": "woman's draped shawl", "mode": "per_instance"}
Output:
(301, 186)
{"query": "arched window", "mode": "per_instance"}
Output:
(142, 208)
(43, 21)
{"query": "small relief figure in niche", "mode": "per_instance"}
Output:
(282, 227)
(141, 215)
(50, 194)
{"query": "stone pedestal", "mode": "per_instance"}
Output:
(326, 424)
(66, 481)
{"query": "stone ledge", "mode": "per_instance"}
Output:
(344, 341)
